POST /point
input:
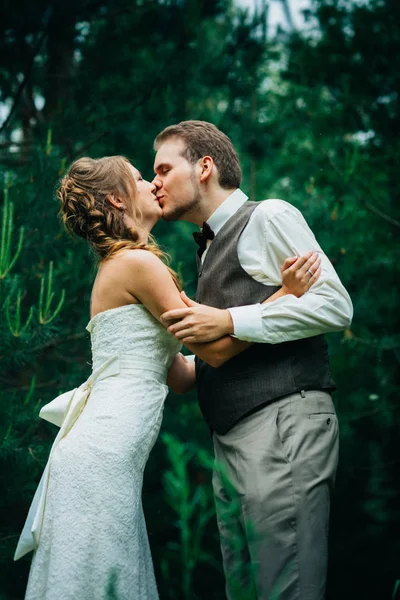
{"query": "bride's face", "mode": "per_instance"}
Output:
(146, 200)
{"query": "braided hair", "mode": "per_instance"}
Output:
(86, 212)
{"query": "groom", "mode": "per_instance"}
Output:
(275, 430)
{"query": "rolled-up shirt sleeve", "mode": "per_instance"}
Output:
(278, 231)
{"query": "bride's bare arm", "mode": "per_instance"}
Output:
(150, 282)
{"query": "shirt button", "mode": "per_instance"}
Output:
(328, 421)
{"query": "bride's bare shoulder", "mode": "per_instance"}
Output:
(147, 278)
(138, 258)
(139, 267)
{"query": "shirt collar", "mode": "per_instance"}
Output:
(226, 210)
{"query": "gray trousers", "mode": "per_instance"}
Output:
(272, 479)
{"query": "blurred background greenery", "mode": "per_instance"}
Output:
(313, 111)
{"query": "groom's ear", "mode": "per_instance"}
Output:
(206, 168)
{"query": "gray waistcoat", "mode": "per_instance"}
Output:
(263, 372)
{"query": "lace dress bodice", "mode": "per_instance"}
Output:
(130, 329)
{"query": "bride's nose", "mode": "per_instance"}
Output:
(153, 186)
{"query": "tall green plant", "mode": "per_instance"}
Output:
(7, 259)
(193, 508)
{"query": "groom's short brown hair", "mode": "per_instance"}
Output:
(205, 139)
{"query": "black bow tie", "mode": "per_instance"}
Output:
(201, 237)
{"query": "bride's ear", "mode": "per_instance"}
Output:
(115, 201)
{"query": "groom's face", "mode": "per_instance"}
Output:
(176, 180)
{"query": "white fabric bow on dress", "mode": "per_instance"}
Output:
(63, 411)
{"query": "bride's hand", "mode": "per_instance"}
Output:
(299, 273)
(181, 376)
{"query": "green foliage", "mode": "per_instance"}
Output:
(316, 121)
(46, 315)
(193, 507)
(396, 589)
(6, 261)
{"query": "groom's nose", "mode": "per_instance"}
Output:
(157, 182)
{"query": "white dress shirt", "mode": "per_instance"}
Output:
(277, 230)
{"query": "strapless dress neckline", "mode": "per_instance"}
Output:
(111, 310)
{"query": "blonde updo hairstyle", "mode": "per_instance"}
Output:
(86, 211)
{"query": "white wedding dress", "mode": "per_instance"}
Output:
(86, 522)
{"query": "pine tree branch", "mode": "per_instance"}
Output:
(367, 468)
(288, 14)
(25, 388)
(148, 90)
(55, 342)
(372, 343)
(27, 74)
(381, 214)
(23, 143)
(362, 184)
(60, 340)
(371, 413)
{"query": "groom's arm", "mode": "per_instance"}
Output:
(280, 229)
(196, 320)
(275, 231)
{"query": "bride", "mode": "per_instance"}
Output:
(86, 522)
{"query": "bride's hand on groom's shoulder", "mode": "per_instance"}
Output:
(197, 323)
(299, 273)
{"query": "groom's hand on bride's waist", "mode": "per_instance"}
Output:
(198, 322)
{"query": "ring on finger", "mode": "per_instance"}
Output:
(309, 271)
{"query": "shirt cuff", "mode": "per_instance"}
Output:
(190, 358)
(247, 322)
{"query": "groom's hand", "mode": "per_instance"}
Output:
(198, 322)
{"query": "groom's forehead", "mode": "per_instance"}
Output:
(170, 152)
